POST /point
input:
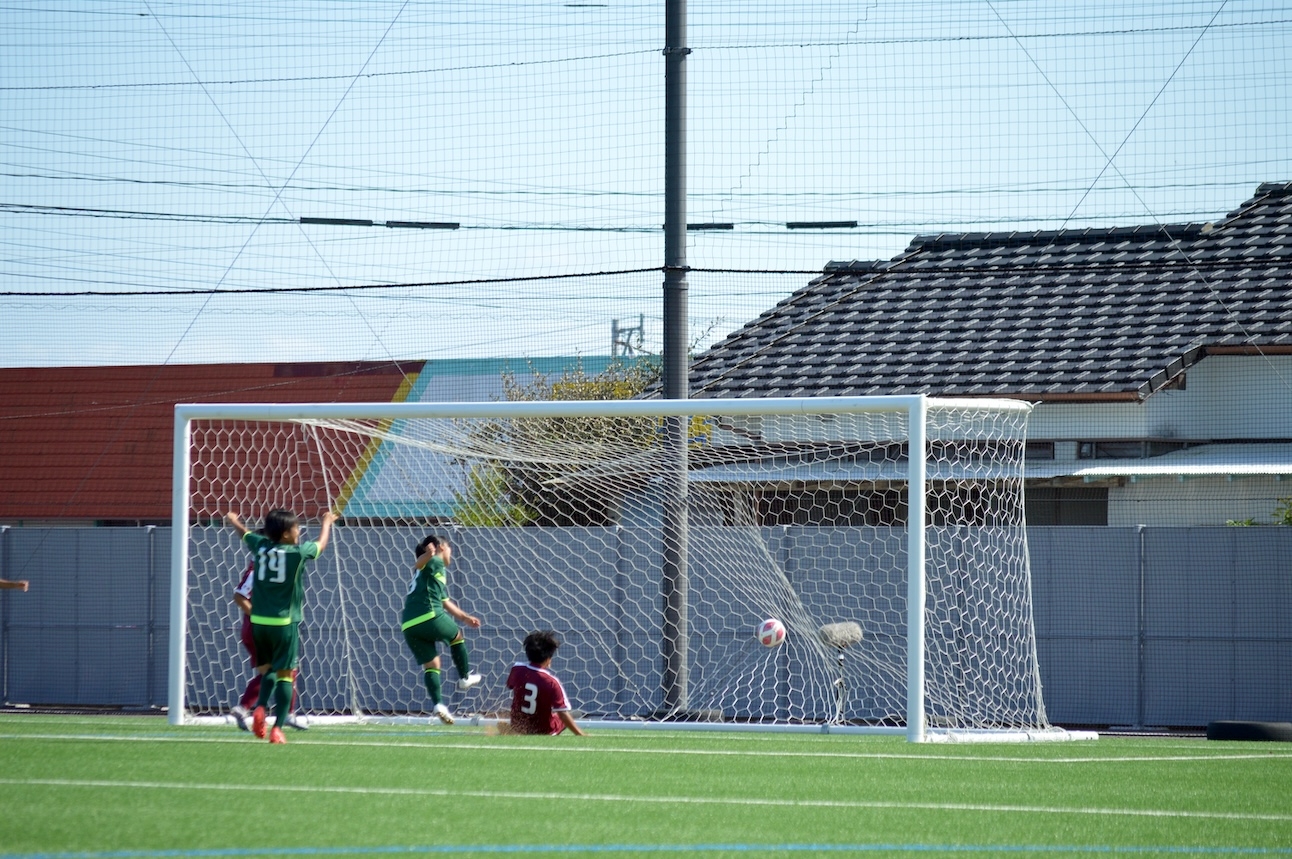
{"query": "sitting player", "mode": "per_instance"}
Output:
(538, 704)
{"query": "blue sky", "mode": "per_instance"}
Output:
(156, 159)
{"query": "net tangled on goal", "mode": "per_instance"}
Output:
(654, 537)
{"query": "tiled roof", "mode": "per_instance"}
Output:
(95, 442)
(1070, 314)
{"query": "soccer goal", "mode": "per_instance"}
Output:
(655, 536)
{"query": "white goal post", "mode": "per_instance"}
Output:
(886, 533)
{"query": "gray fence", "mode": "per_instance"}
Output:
(1145, 627)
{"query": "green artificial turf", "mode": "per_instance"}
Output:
(138, 787)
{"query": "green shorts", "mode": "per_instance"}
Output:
(277, 645)
(423, 638)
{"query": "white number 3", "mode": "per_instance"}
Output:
(531, 699)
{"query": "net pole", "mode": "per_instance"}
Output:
(674, 581)
(181, 462)
(915, 550)
(4, 616)
(675, 584)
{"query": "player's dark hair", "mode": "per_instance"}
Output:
(431, 540)
(541, 645)
(279, 522)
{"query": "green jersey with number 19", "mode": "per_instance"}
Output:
(278, 588)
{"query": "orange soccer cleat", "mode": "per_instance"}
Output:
(258, 722)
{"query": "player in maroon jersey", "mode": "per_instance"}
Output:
(538, 703)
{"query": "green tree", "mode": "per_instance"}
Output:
(485, 502)
(538, 484)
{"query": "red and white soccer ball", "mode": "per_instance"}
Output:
(771, 632)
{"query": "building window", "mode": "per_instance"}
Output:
(1066, 505)
(1130, 448)
(1039, 450)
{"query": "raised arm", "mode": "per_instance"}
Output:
(236, 521)
(325, 533)
(441, 550)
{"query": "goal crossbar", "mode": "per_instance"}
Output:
(587, 408)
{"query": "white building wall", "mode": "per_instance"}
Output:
(1225, 397)
(1085, 421)
(1195, 501)
(1228, 396)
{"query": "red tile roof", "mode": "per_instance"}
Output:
(95, 442)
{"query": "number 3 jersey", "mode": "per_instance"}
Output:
(277, 585)
(537, 696)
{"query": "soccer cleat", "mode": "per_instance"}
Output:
(297, 721)
(241, 717)
(443, 714)
(276, 737)
(472, 679)
(258, 723)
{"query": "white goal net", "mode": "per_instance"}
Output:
(653, 536)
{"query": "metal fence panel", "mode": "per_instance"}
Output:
(1141, 626)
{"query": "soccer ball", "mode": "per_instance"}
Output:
(771, 632)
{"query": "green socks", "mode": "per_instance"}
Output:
(282, 700)
(433, 685)
(267, 684)
(458, 650)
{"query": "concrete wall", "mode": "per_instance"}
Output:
(1164, 626)
(1197, 500)
(1138, 626)
(92, 627)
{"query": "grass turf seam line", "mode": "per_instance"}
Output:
(558, 796)
(559, 747)
(471, 849)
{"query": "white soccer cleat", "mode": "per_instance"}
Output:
(297, 721)
(443, 714)
(241, 717)
(471, 680)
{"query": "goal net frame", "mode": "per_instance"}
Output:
(676, 414)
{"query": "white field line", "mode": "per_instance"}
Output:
(547, 796)
(564, 746)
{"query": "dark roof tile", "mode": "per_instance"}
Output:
(1113, 311)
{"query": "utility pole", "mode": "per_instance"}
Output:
(674, 579)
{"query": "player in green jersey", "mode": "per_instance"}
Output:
(276, 594)
(430, 617)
